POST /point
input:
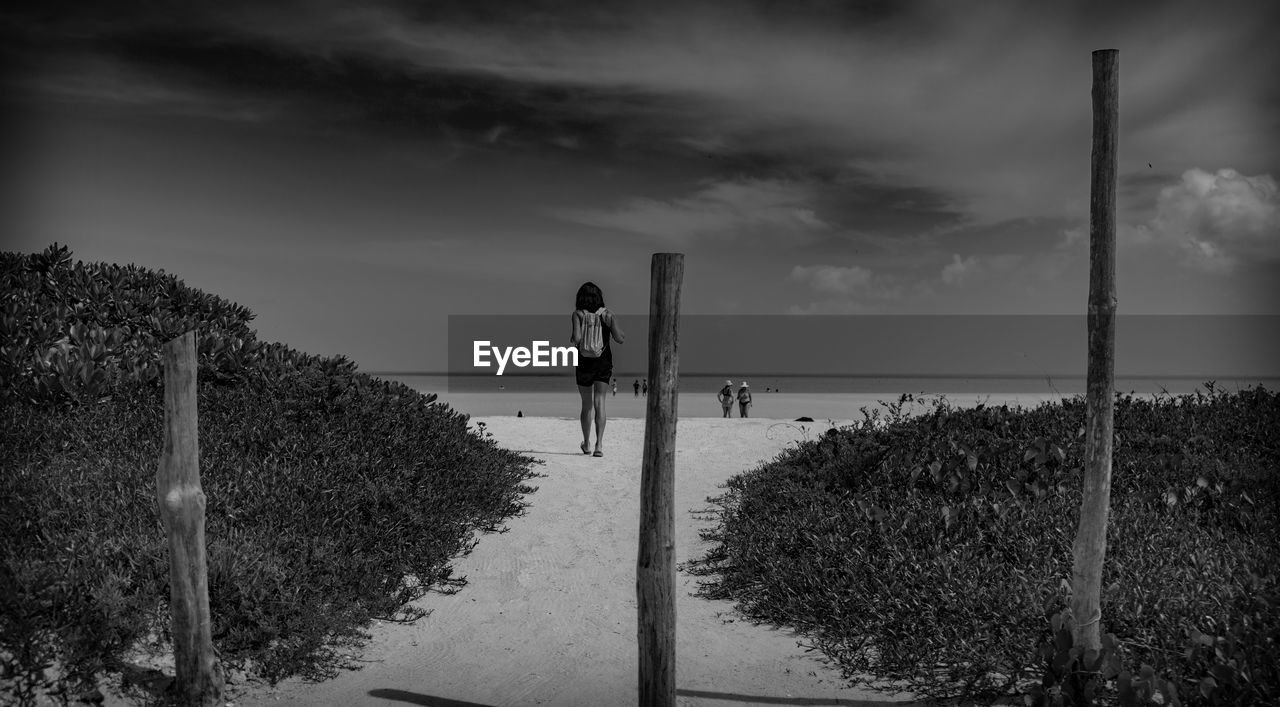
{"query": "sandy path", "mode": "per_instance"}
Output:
(549, 614)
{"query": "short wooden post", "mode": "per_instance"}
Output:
(1090, 550)
(655, 566)
(199, 679)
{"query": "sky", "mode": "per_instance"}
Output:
(354, 173)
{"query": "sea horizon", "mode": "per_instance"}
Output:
(790, 396)
(1012, 376)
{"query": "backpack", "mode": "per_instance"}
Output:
(592, 344)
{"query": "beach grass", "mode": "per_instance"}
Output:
(935, 552)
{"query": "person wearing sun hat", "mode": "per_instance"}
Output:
(744, 400)
(725, 396)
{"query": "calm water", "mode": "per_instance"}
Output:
(778, 397)
(890, 386)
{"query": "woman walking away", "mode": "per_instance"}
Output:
(744, 400)
(592, 327)
(725, 396)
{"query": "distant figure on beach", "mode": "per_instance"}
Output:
(614, 387)
(725, 396)
(644, 387)
(593, 325)
(636, 385)
(744, 400)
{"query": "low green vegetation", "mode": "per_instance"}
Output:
(935, 552)
(333, 498)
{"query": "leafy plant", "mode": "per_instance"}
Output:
(927, 551)
(333, 497)
(1074, 675)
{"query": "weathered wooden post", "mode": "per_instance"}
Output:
(1090, 550)
(655, 566)
(199, 679)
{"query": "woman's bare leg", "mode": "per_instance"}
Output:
(601, 389)
(585, 392)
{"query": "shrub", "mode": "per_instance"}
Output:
(333, 497)
(73, 331)
(928, 553)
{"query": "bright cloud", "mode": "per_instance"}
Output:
(975, 267)
(1219, 219)
(831, 279)
(848, 289)
(725, 208)
(835, 305)
(959, 270)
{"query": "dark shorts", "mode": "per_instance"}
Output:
(593, 370)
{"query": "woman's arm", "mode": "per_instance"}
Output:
(575, 328)
(618, 335)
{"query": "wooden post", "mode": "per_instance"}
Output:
(655, 565)
(199, 678)
(1090, 549)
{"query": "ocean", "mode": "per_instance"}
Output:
(787, 396)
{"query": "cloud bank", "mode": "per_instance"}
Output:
(1221, 219)
(720, 209)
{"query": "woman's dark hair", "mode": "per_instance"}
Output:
(589, 297)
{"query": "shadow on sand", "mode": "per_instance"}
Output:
(414, 698)
(768, 700)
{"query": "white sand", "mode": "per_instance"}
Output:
(549, 614)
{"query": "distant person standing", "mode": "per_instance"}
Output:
(644, 388)
(614, 386)
(636, 385)
(592, 326)
(725, 396)
(744, 400)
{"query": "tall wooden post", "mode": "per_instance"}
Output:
(655, 565)
(199, 679)
(1090, 550)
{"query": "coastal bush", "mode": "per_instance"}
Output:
(73, 330)
(333, 497)
(932, 552)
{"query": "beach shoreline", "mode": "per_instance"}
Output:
(818, 397)
(778, 406)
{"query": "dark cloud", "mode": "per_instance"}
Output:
(930, 112)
